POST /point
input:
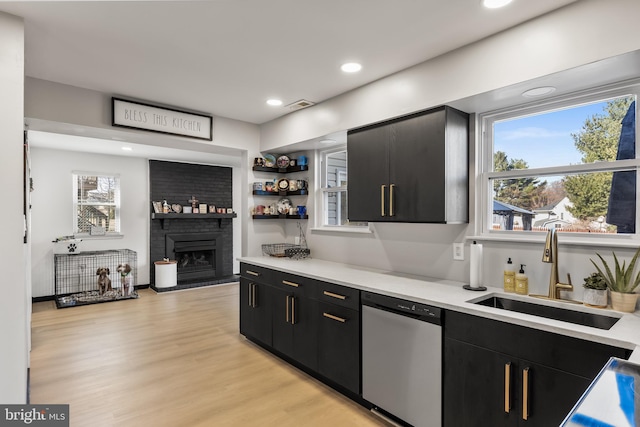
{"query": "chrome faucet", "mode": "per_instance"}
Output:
(550, 255)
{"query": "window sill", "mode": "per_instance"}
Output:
(104, 237)
(563, 239)
(342, 229)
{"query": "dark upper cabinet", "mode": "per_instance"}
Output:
(410, 169)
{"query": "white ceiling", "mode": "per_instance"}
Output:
(226, 57)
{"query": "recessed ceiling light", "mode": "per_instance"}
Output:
(538, 91)
(274, 102)
(327, 141)
(494, 4)
(127, 148)
(351, 67)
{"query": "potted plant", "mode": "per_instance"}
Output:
(621, 282)
(595, 291)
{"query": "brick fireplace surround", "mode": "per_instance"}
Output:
(177, 183)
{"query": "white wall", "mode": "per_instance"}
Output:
(13, 304)
(52, 209)
(59, 108)
(579, 34)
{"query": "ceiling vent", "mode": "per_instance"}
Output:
(299, 105)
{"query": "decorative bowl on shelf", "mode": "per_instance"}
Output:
(283, 162)
(269, 160)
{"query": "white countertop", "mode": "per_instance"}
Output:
(450, 295)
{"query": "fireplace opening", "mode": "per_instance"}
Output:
(199, 255)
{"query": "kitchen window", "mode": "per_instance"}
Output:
(333, 194)
(568, 164)
(96, 204)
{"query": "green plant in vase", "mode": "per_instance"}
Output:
(622, 282)
(595, 291)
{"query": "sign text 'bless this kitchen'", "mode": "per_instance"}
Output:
(137, 115)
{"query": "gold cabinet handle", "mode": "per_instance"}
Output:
(250, 289)
(254, 295)
(332, 295)
(286, 282)
(332, 317)
(507, 387)
(293, 310)
(525, 394)
(287, 309)
(382, 187)
(253, 273)
(391, 187)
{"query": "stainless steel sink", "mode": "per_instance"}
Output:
(584, 318)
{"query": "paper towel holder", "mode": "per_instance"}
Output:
(474, 281)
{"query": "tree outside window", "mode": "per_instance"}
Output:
(97, 204)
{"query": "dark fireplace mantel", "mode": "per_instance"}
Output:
(163, 216)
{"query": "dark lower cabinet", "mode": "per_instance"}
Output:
(339, 345)
(313, 323)
(487, 388)
(294, 327)
(500, 374)
(255, 310)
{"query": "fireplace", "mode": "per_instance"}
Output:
(199, 255)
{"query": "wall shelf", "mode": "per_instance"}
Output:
(280, 193)
(289, 169)
(163, 216)
(281, 216)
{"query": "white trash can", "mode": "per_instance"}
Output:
(166, 274)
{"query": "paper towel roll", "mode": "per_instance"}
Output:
(475, 268)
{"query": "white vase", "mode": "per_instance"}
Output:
(595, 297)
(624, 302)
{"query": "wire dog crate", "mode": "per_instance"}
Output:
(92, 277)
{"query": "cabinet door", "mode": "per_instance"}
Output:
(417, 168)
(281, 318)
(549, 394)
(477, 390)
(339, 345)
(305, 331)
(368, 174)
(255, 311)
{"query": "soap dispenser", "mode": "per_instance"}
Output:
(509, 277)
(522, 282)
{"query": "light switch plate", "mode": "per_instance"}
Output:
(458, 251)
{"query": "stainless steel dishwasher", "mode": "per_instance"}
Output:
(402, 359)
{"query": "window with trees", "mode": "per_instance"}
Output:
(569, 164)
(96, 204)
(334, 188)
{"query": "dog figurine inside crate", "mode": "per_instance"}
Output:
(104, 283)
(125, 278)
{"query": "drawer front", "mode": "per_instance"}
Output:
(301, 286)
(255, 273)
(338, 295)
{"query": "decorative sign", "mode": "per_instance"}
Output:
(136, 115)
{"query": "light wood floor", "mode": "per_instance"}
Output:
(173, 359)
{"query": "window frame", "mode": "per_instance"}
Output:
(324, 190)
(116, 204)
(486, 175)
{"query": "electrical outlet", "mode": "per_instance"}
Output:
(458, 251)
